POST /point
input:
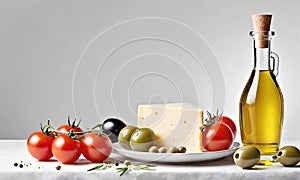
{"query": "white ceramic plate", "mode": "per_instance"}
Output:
(175, 158)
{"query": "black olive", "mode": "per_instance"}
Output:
(112, 127)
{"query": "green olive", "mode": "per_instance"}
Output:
(181, 149)
(127, 163)
(288, 156)
(246, 156)
(162, 150)
(124, 136)
(173, 150)
(142, 139)
(153, 149)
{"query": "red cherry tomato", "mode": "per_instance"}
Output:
(39, 146)
(96, 148)
(70, 126)
(229, 122)
(217, 137)
(67, 128)
(66, 149)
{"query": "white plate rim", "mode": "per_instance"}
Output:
(176, 157)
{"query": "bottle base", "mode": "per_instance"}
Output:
(265, 149)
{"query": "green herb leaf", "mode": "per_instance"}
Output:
(122, 170)
(102, 166)
(96, 168)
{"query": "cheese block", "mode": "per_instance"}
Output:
(176, 124)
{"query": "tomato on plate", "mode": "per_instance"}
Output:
(218, 133)
(96, 148)
(39, 146)
(217, 137)
(229, 122)
(66, 149)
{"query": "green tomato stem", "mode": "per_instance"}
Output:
(49, 130)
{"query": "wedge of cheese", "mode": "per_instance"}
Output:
(175, 124)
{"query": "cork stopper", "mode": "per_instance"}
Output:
(261, 25)
(261, 22)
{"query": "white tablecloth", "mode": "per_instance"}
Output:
(14, 151)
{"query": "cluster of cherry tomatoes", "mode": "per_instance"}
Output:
(68, 142)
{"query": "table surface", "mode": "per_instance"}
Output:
(14, 151)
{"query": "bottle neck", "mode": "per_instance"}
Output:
(262, 42)
(262, 59)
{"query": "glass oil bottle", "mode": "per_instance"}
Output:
(261, 103)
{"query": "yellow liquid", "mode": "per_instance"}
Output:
(261, 112)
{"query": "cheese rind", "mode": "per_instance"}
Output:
(175, 124)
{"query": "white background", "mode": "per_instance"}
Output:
(42, 43)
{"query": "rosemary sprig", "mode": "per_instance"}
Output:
(127, 167)
(122, 170)
(149, 167)
(137, 166)
(102, 166)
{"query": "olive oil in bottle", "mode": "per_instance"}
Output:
(261, 103)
